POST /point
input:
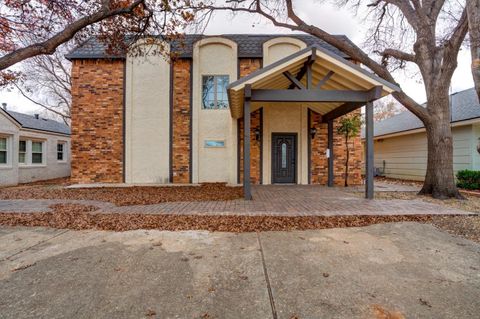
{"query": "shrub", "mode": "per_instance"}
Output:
(468, 179)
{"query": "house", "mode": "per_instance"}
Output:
(400, 142)
(145, 118)
(32, 148)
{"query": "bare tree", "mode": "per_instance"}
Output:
(473, 13)
(47, 83)
(427, 34)
(38, 27)
(384, 109)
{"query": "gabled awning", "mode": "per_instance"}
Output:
(313, 76)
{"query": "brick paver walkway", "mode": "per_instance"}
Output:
(271, 200)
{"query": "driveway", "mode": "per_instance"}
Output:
(399, 270)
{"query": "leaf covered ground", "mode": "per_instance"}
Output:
(75, 216)
(124, 196)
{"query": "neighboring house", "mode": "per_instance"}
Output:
(146, 119)
(401, 143)
(32, 148)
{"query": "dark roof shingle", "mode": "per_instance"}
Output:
(464, 106)
(249, 45)
(42, 124)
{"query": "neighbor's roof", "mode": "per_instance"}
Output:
(346, 76)
(41, 124)
(464, 106)
(249, 45)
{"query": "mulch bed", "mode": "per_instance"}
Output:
(124, 196)
(74, 216)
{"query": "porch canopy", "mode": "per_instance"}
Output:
(329, 84)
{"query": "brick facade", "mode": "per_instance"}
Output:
(98, 128)
(97, 121)
(319, 162)
(247, 66)
(181, 121)
(256, 121)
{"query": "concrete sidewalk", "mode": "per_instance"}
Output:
(409, 270)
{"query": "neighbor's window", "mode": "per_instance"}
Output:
(61, 151)
(22, 152)
(214, 91)
(37, 152)
(3, 150)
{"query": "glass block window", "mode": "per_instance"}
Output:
(3, 150)
(214, 91)
(61, 151)
(37, 152)
(22, 152)
(214, 143)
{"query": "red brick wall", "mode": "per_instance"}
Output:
(181, 120)
(247, 66)
(319, 162)
(97, 121)
(255, 147)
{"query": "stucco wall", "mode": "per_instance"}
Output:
(213, 56)
(147, 118)
(51, 168)
(406, 156)
(278, 48)
(285, 119)
(9, 172)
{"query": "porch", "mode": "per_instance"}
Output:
(313, 81)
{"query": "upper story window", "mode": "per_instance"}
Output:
(3, 150)
(22, 152)
(37, 152)
(214, 91)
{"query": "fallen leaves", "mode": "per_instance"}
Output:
(124, 196)
(77, 217)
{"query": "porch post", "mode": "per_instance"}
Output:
(246, 143)
(330, 153)
(369, 150)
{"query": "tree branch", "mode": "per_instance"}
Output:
(49, 46)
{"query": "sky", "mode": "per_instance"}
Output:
(326, 16)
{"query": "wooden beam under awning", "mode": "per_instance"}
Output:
(314, 95)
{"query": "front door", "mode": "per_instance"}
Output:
(284, 153)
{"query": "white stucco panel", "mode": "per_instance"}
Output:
(213, 56)
(279, 48)
(147, 117)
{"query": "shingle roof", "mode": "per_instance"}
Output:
(464, 106)
(249, 45)
(31, 122)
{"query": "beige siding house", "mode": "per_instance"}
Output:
(32, 148)
(400, 142)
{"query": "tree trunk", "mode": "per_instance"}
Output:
(439, 180)
(346, 160)
(473, 14)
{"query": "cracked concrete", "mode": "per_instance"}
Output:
(404, 269)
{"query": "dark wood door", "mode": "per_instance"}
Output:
(284, 161)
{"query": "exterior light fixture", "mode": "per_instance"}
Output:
(313, 131)
(257, 134)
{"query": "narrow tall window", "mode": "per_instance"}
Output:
(214, 91)
(37, 152)
(3, 150)
(22, 152)
(60, 152)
